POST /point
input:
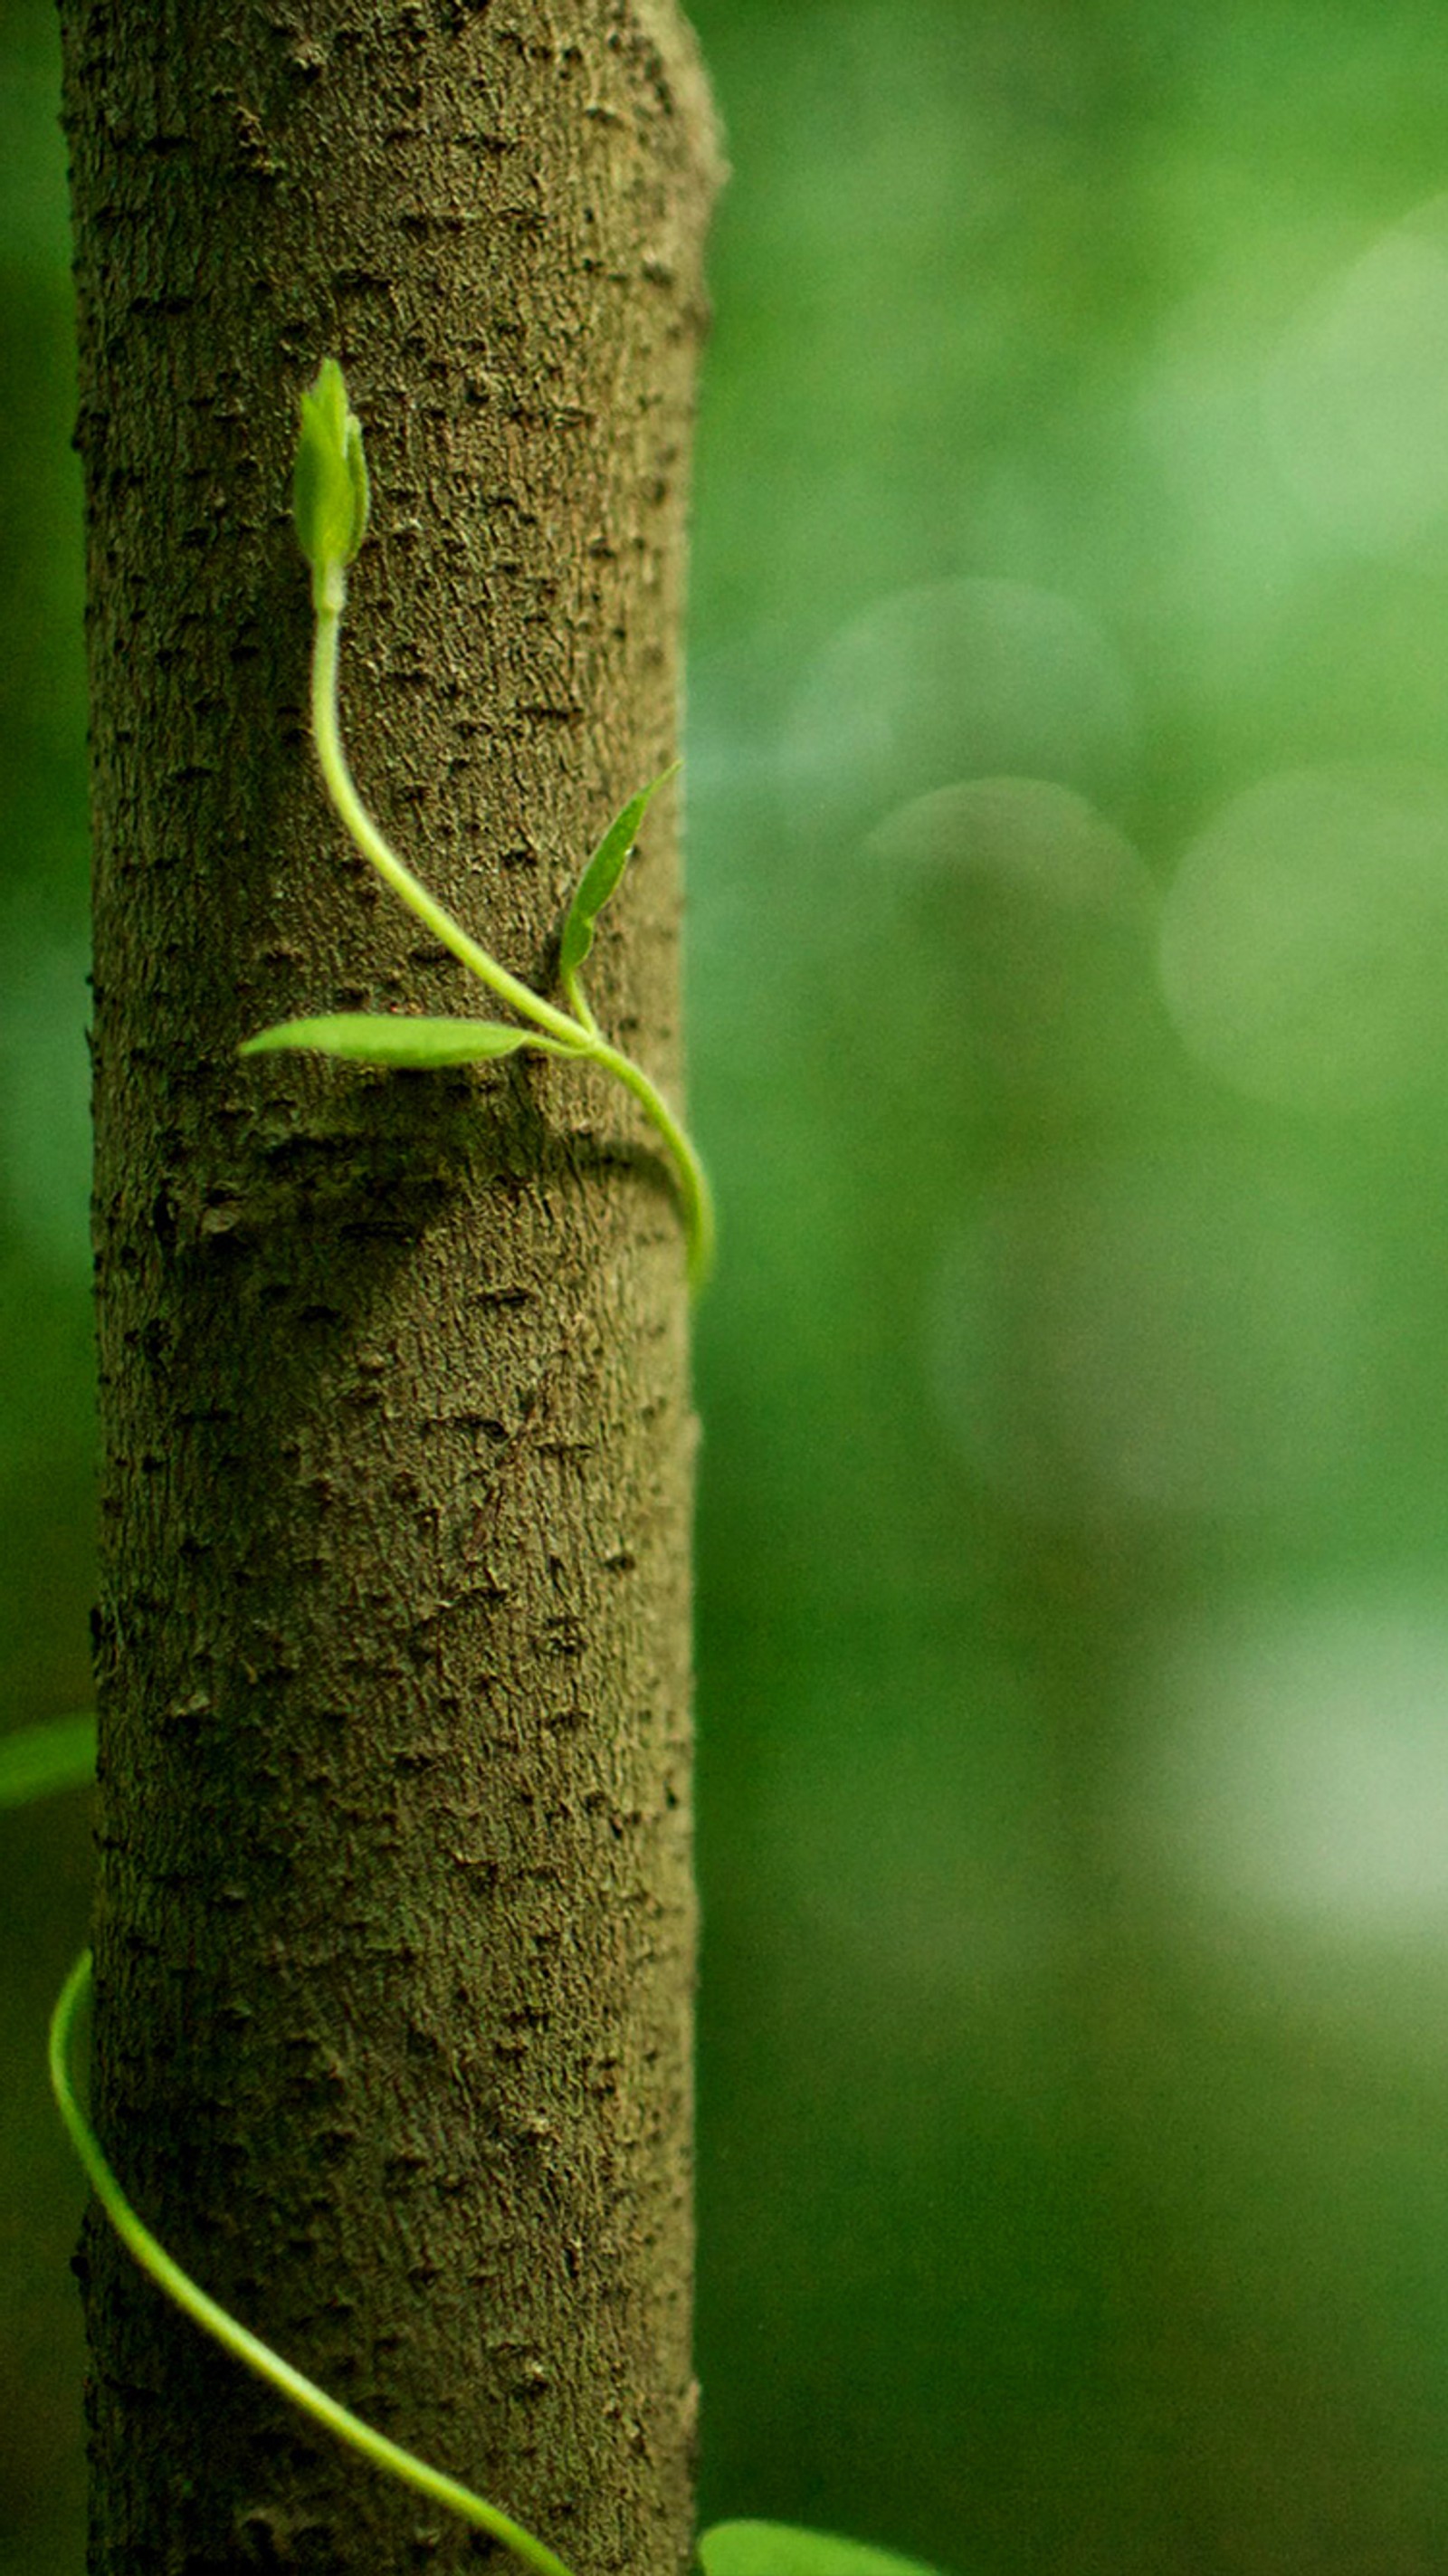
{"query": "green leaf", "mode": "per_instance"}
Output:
(602, 874)
(782, 2549)
(373, 1037)
(35, 1760)
(330, 496)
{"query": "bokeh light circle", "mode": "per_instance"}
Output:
(1028, 921)
(1304, 941)
(1356, 396)
(961, 679)
(1296, 1764)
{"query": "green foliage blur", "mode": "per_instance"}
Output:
(1068, 784)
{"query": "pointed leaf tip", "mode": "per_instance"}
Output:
(602, 874)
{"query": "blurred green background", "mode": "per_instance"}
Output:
(1068, 771)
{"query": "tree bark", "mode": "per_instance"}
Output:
(394, 1930)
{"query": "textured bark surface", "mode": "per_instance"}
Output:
(394, 1934)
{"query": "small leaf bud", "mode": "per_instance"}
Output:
(329, 484)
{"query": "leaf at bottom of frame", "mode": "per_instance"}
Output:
(783, 2549)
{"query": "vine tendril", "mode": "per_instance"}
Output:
(330, 507)
(237, 2339)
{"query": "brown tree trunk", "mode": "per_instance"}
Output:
(394, 1933)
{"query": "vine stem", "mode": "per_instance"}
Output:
(693, 1180)
(342, 789)
(237, 2340)
(579, 1038)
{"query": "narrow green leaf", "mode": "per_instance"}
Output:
(602, 874)
(35, 1760)
(782, 2549)
(329, 480)
(373, 1037)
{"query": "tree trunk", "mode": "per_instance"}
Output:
(394, 1929)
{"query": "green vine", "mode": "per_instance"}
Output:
(237, 2339)
(745, 2548)
(331, 508)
